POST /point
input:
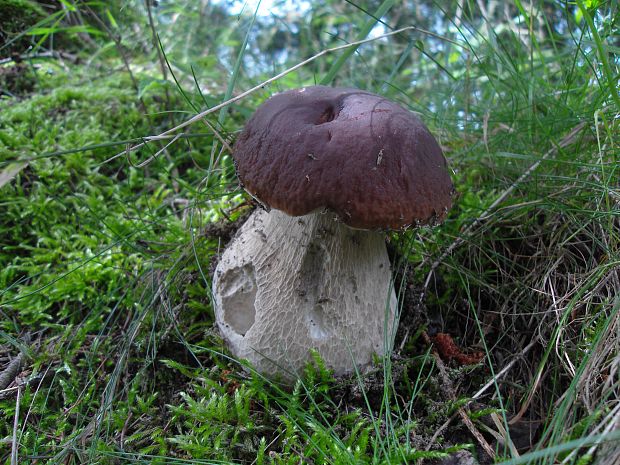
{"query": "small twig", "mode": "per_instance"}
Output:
(461, 410)
(566, 141)
(5, 393)
(404, 341)
(440, 430)
(10, 372)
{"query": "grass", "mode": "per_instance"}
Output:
(106, 260)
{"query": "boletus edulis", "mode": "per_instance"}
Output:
(333, 169)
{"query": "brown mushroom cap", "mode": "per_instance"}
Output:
(366, 158)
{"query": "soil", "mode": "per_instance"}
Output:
(16, 80)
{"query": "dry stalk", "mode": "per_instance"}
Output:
(8, 375)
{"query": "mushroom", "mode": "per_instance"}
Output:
(332, 168)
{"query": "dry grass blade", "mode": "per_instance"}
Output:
(15, 424)
(611, 422)
(503, 434)
(9, 173)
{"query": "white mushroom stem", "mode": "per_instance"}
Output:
(287, 285)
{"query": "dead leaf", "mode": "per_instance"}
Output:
(10, 172)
